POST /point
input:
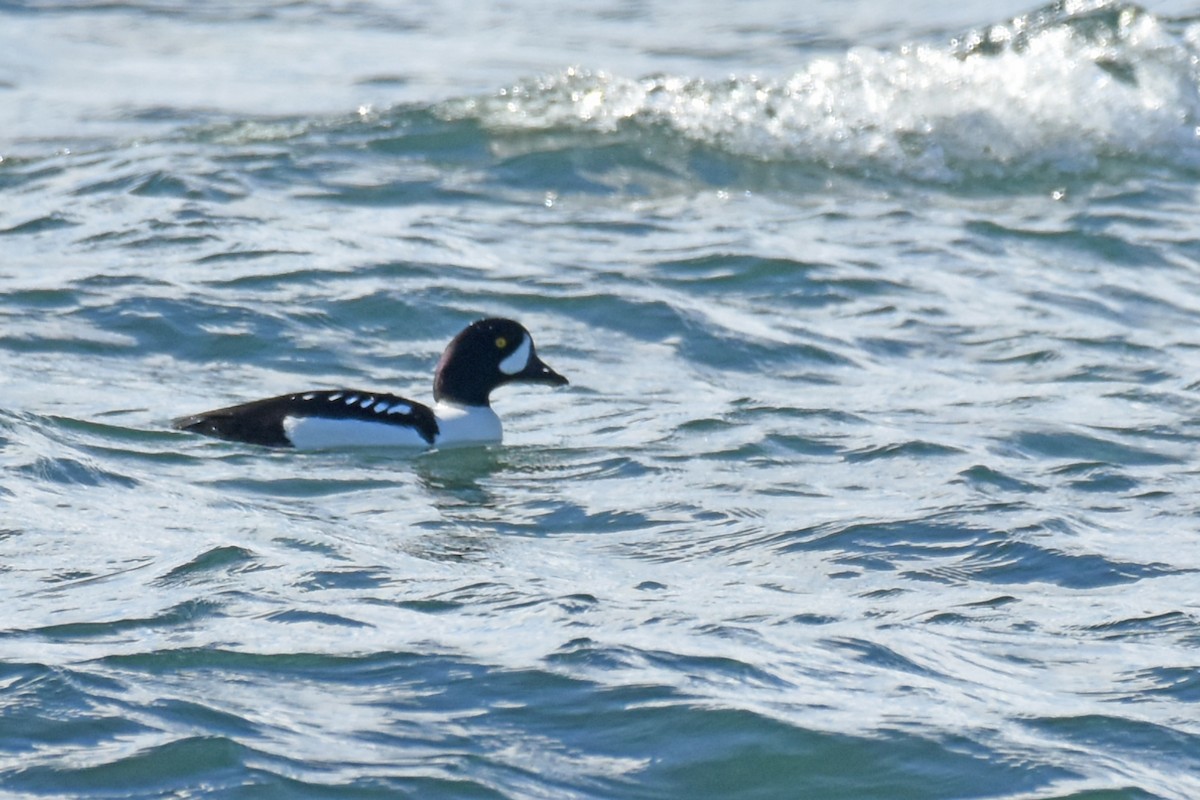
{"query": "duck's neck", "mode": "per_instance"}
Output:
(466, 424)
(461, 381)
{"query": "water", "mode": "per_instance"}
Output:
(875, 477)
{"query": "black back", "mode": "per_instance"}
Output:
(261, 422)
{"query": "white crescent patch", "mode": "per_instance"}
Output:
(517, 360)
(322, 433)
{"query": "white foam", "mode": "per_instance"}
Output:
(1060, 90)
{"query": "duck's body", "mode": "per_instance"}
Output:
(487, 354)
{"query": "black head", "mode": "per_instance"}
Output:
(487, 354)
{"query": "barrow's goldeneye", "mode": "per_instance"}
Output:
(487, 354)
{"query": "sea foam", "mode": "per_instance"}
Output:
(1067, 89)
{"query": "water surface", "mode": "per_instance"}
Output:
(874, 478)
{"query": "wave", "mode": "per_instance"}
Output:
(1069, 89)
(1088, 89)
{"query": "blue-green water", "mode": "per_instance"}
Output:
(875, 478)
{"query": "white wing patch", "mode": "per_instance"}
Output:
(516, 362)
(319, 433)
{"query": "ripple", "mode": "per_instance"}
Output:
(915, 449)
(1087, 448)
(345, 579)
(987, 478)
(1020, 562)
(183, 614)
(73, 472)
(1178, 683)
(46, 702)
(1135, 627)
(218, 560)
(297, 617)
(50, 222)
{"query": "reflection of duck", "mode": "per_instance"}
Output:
(485, 355)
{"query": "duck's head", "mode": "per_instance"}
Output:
(485, 355)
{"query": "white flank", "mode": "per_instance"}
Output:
(321, 433)
(466, 425)
(458, 426)
(519, 358)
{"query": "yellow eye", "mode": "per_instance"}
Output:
(501, 342)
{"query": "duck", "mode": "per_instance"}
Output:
(487, 354)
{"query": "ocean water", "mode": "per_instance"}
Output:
(876, 476)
